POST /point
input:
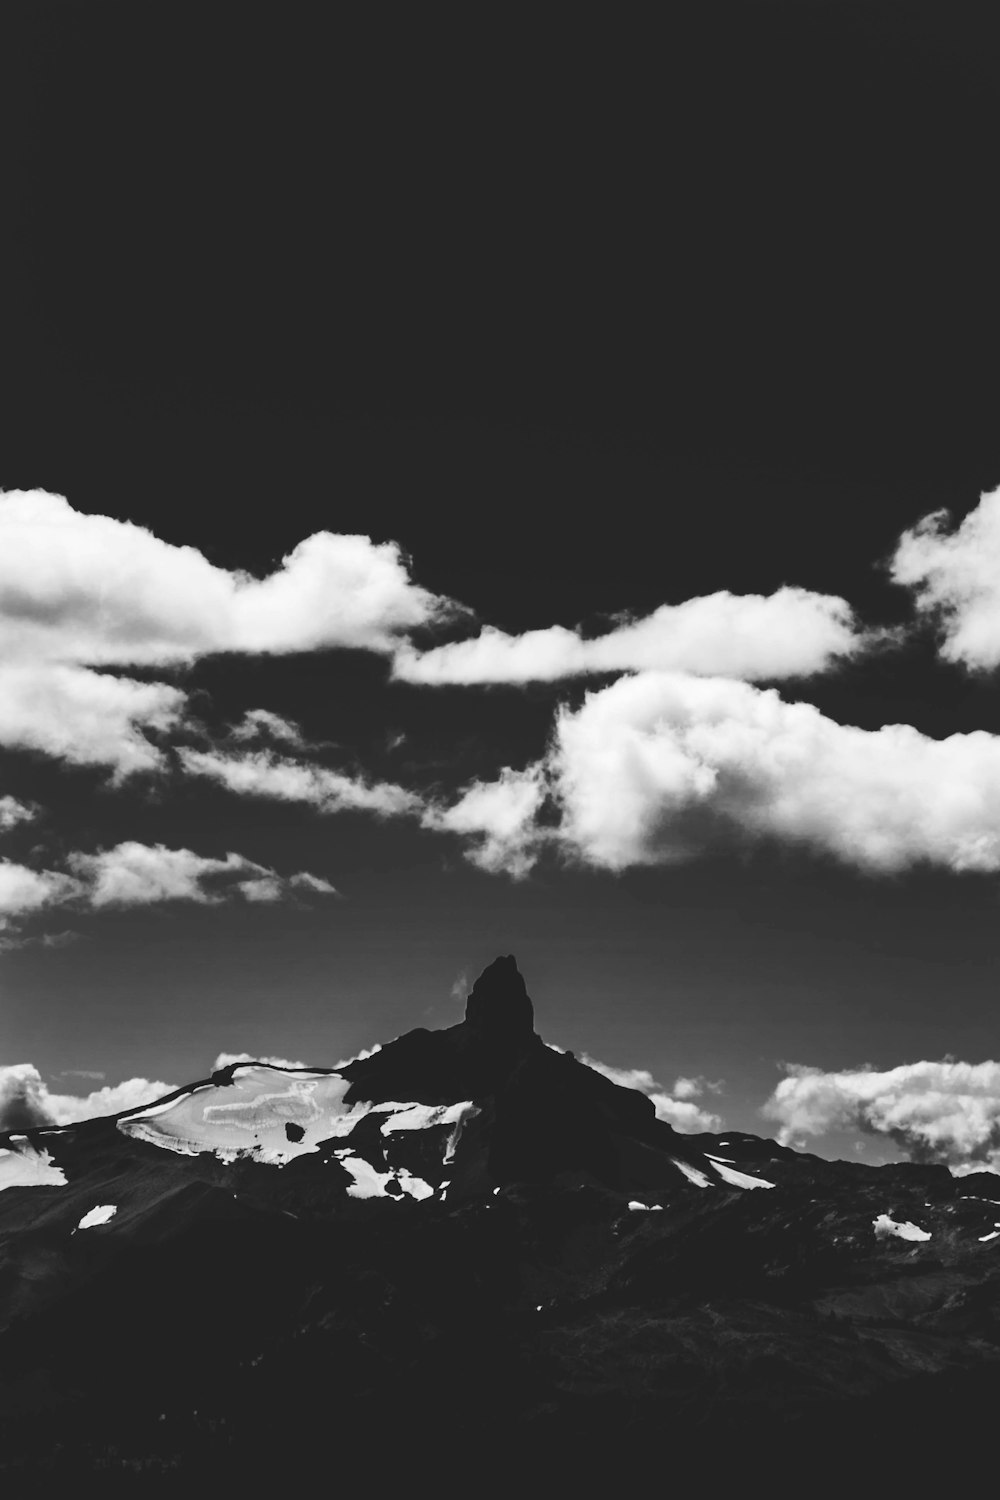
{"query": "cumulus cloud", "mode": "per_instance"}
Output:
(81, 591)
(790, 633)
(677, 1110)
(262, 773)
(498, 818)
(659, 767)
(86, 718)
(946, 1112)
(91, 589)
(955, 576)
(26, 1100)
(133, 874)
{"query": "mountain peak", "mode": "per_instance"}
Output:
(499, 1004)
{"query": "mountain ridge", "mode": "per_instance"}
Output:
(474, 1220)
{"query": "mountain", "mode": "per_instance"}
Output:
(465, 1253)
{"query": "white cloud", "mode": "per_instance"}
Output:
(934, 1111)
(226, 1059)
(86, 718)
(693, 1088)
(13, 812)
(500, 819)
(955, 576)
(94, 590)
(133, 874)
(790, 633)
(261, 773)
(23, 891)
(679, 1112)
(659, 767)
(260, 723)
(26, 1101)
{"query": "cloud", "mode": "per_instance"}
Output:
(226, 1059)
(94, 590)
(13, 812)
(26, 1101)
(262, 773)
(133, 874)
(693, 1088)
(790, 633)
(945, 1112)
(660, 767)
(86, 718)
(955, 576)
(499, 817)
(260, 723)
(81, 591)
(679, 1112)
(23, 890)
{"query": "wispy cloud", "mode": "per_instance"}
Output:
(263, 773)
(13, 812)
(676, 1108)
(131, 874)
(790, 633)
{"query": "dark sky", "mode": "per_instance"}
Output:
(589, 313)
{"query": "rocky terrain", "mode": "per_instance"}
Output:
(467, 1253)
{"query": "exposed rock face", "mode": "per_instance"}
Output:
(460, 1062)
(499, 1006)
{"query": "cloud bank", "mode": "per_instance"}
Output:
(660, 767)
(94, 590)
(81, 594)
(947, 1112)
(791, 633)
(26, 1101)
(955, 576)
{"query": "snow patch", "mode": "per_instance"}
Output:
(884, 1227)
(29, 1168)
(273, 1115)
(691, 1173)
(995, 1235)
(636, 1207)
(99, 1215)
(368, 1183)
(739, 1179)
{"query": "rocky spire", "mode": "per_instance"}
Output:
(499, 1006)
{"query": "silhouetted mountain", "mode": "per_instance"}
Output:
(464, 1253)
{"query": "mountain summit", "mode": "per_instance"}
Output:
(498, 1005)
